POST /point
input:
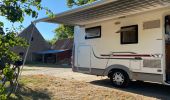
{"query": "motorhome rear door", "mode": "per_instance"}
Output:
(84, 58)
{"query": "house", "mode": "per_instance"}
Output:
(122, 39)
(60, 52)
(66, 45)
(38, 43)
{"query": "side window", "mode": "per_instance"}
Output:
(129, 34)
(167, 29)
(94, 32)
(167, 25)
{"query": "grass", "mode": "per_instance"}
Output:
(32, 79)
(41, 87)
(29, 89)
(29, 69)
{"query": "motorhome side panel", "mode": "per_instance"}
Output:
(143, 55)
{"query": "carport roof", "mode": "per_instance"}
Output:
(49, 52)
(104, 10)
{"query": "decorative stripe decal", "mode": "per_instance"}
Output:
(108, 57)
(128, 55)
(131, 56)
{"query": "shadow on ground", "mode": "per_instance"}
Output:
(142, 88)
(48, 65)
(26, 93)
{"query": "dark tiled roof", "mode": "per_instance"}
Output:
(64, 44)
(38, 43)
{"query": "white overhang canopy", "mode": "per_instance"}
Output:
(104, 10)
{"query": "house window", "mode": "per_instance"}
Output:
(129, 34)
(94, 32)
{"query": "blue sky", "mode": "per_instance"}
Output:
(46, 29)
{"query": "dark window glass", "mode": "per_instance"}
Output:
(167, 25)
(167, 29)
(94, 32)
(129, 34)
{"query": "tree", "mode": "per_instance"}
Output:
(14, 11)
(71, 3)
(66, 31)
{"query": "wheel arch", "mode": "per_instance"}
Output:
(109, 69)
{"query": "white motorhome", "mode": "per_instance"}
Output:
(122, 39)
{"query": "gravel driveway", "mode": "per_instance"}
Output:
(60, 71)
(160, 92)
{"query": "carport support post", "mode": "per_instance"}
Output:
(56, 58)
(43, 58)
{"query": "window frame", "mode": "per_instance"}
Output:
(136, 32)
(94, 36)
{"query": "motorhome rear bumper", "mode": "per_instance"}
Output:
(92, 71)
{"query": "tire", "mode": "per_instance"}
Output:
(119, 78)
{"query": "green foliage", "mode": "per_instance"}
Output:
(8, 41)
(8, 72)
(64, 31)
(3, 95)
(51, 42)
(71, 3)
(8, 57)
(14, 11)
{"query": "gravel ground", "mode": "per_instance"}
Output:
(60, 71)
(141, 91)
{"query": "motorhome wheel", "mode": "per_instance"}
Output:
(119, 78)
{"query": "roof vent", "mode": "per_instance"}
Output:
(151, 24)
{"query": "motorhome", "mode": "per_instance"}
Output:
(122, 39)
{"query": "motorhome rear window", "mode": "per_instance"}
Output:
(93, 32)
(129, 34)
